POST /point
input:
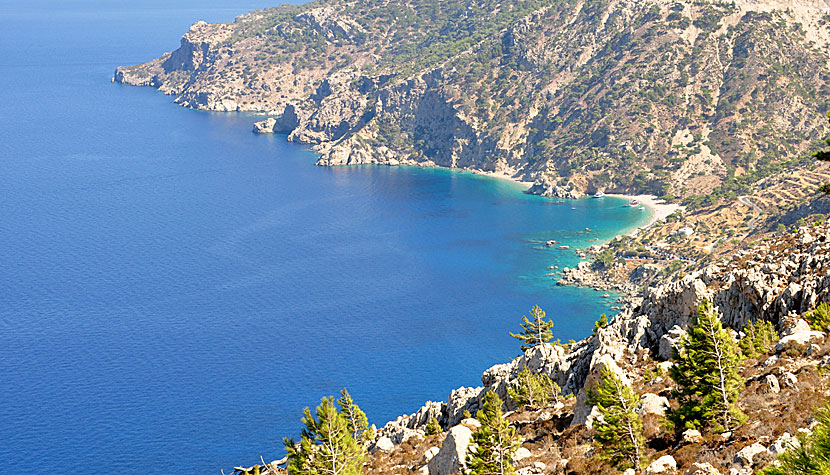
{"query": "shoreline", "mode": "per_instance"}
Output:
(658, 207)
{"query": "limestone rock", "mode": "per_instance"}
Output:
(747, 455)
(460, 400)
(789, 380)
(546, 185)
(429, 454)
(771, 384)
(670, 341)
(692, 436)
(783, 443)
(265, 126)
(452, 455)
(471, 423)
(384, 444)
(698, 468)
(521, 454)
(651, 403)
(798, 340)
(665, 464)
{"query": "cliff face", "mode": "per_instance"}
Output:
(655, 96)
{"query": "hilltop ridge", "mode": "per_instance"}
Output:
(663, 97)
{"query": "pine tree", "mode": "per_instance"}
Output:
(619, 432)
(433, 427)
(358, 423)
(706, 373)
(326, 445)
(824, 155)
(533, 389)
(759, 338)
(494, 443)
(601, 323)
(819, 317)
(534, 332)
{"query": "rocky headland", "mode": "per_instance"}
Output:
(668, 98)
(778, 280)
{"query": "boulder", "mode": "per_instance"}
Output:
(471, 423)
(651, 403)
(384, 444)
(799, 340)
(521, 454)
(771, 384)
(783, 443)
(265, 126)
(698, 468)
(747, 455)
(430, 453)
(789, 380)
(665, 464)
(669, 342)
(692, 436)
(451, 458)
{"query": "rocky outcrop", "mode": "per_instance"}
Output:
(451, 458)
(547, 185)
(753, 285)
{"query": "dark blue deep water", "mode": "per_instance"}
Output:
(175, 289)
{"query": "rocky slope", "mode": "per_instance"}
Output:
(670, 97)
(778, 280)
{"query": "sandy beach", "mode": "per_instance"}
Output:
(659, 208)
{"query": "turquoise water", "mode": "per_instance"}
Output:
(175, 289)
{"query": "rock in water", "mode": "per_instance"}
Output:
(265, 126)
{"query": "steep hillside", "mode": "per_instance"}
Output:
(779, 281)
(672, 98)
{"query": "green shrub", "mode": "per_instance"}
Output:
(433, 427)
(601, 323)
(819, 318)
(533, 390)
(760, 338)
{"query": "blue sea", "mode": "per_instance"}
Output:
(174, 289)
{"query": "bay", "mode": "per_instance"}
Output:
(175, 289)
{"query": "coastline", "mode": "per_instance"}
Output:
(658, 208)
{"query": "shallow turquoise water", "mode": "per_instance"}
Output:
(174, 289)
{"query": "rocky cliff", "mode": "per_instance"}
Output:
(669, 97)
(778, 280)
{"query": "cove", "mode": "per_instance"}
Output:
(175, 289)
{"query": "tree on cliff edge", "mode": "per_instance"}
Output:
(824, 155)
(534, 332)
(326, 445)
(706, 372)
(358, 423)
(494, 443)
